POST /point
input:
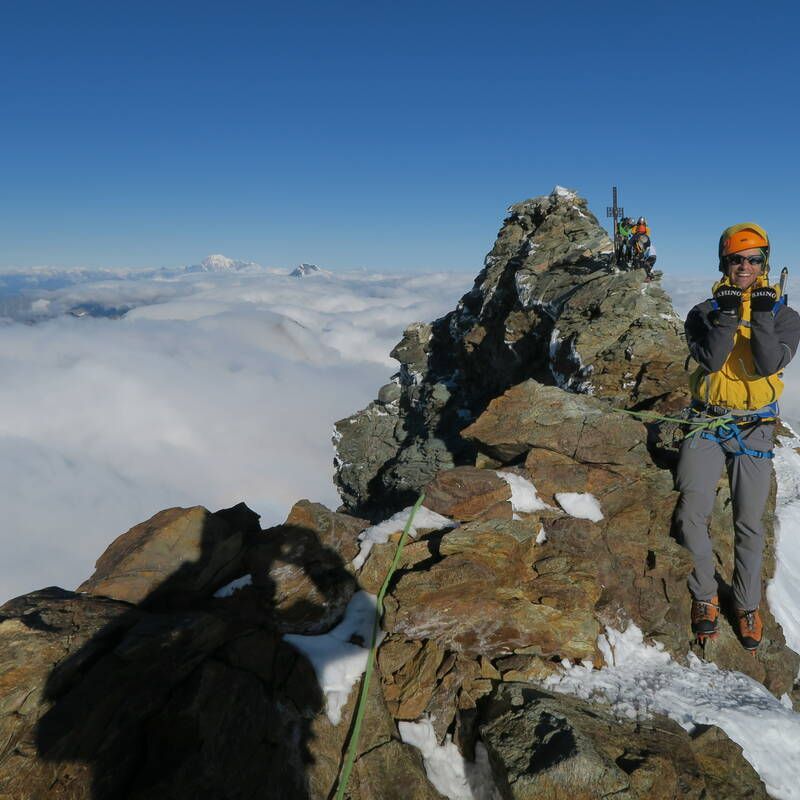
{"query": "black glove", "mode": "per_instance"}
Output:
(763, 299)
(728, 299)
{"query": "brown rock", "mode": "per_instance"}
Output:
(457, 680)
(395, 652)
(339, 532)
(545, 747)
(467, 493)
(393, 771)
(409, 690)
(179, 553)
(488, 670)
(327, 742)
(379, 560)
(483, 597)
(715, 753)
(302, 578)
(531, 414)
(528, 669)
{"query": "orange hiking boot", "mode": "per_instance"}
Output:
(705, 614)
(750, 628)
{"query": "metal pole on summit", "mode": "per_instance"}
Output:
(615, 212)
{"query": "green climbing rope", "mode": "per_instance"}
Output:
(697, 426)
(352, 748)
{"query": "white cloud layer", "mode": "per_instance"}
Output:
(214, 387)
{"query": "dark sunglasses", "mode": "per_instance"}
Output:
(736, 259)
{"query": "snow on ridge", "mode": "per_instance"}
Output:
(380, 533)
(220, 263)
(784, 587)
(449, 772)
(338, 663)
(573, 382)
(640, 680)
(562, 191)
(309, 270)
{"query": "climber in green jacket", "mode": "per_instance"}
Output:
(622, 239)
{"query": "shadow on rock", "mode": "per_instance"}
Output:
(160, 688)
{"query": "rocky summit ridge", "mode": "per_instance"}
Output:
(190, 664)
(548, 305)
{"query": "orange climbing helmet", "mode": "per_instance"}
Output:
(742, 237)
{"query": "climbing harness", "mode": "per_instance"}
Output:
(730, 427)
(352, 748)
(720, 425)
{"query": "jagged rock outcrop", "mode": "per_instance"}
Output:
(577, 444)
(505, 597)
(548, 305)
(547, 747)
(169, 691)
(176, 556)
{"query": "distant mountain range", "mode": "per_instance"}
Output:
(307, 270)
(220, 263)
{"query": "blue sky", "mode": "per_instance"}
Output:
(390, 136)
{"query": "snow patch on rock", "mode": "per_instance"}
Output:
(640, 680)
(784, 588)
(524, 497)
(337, 661)
(581, 505)
(562, 191)
(577, 379)
(380, 533)
(448, 771)
(234, 586)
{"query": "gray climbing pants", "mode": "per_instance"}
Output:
(699, 470)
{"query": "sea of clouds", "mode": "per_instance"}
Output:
(213, 388)
(126, 392)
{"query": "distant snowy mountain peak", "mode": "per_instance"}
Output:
(220, 263)
(305, 270)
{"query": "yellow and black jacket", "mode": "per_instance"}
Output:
(741, 359)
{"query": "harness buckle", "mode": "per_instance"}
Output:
(710, 410)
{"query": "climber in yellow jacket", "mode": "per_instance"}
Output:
(741, 339)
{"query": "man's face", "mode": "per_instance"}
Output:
(741, 271)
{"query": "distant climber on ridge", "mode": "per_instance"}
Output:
(623, 238)
(641, 248)
(742, 339)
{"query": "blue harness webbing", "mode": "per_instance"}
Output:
(729, 428)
